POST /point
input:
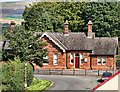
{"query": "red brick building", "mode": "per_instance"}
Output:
(75, 50)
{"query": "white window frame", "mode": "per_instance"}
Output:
(46, 58)
(81, 58)
(54, 59)
(105, 61)
(98, 59)
(70, 58)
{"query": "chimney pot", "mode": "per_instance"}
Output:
(66, 23)
(12, 22)
(90, 34)
(12, 25)
(90, 22)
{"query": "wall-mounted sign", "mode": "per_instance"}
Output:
(85, 59)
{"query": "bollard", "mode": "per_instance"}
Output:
(85, 71)
(98, 73)
(49, 72)
(73, 71)
(61, 71)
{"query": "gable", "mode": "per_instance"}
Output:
(57, 43)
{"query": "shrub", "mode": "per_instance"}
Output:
(13, 75)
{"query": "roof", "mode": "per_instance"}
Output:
(79, 41)
(106, 80)
(105, 45)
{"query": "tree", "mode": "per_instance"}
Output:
(50, 16)
(26, 45)
(72, 11)
(13, 75)
(105, 18)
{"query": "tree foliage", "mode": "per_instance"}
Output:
(105, 18)
(13, 75)
(25, 44)
(50, 16)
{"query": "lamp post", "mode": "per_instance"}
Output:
(114, 60)
(25, 77)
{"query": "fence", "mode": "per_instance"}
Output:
(70, 72)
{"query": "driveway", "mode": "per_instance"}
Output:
(70, 82)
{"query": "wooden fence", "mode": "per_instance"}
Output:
(70, 72)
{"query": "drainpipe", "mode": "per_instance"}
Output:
(90, 62)
(66, 60)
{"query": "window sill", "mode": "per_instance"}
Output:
(103, 64)
(81, 64)
(55, 64)
(45, 64)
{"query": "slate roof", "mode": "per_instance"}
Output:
(105, 45)
(79, 41)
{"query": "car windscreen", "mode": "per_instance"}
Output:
(107, 74)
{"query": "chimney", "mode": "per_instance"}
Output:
(12, 24)
(90, 34)
(66, 31)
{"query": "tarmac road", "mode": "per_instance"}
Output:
(70, 82)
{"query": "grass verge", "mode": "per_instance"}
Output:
(21, 20)
(39, 84)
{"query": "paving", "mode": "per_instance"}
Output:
(70, 82)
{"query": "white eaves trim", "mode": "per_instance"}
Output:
(45, 34)
(60, 42)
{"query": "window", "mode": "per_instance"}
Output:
(71, 58)
(81, 59)
(104, 60)
(47, 59)
(99, 60)
(76, 54)
(55, 59)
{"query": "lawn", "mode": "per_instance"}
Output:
(16, 19)
(39, 84)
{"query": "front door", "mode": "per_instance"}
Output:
(76, 62)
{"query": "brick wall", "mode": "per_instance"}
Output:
(107, 66)
(52, 48)
(86, 65)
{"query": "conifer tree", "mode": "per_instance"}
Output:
(50, 16)
(26, 45)
(105, 18)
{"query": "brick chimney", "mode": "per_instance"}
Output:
(90, 34)
(66, 31)
(12, 24)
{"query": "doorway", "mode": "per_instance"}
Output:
(76, 60)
